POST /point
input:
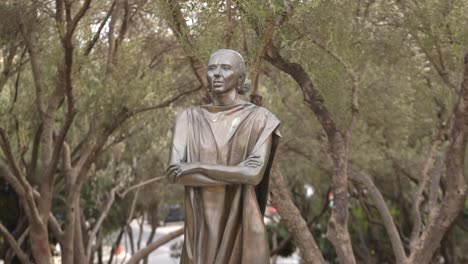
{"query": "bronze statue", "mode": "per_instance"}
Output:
(222, 153)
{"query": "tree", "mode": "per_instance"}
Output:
(378, 125)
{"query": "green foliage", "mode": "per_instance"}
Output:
(399, 53)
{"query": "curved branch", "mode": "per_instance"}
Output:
(18, 177)
(139, 185)
(95, 38)
(11, 240)
(385, 215)
(79, 15)
(181, 30)
(102, 217)
(444, 214)
(293, 220)
(55, 226)
(418, 197)
(139, 255)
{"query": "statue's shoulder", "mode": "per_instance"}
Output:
(188, 111)
(187, 114)
(262, 112)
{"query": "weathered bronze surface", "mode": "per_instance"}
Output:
(222, 154)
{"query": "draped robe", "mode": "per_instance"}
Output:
(224, 223)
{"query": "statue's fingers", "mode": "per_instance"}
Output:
(253, 158)
(175, 165)
(171, 170)
(174, 175)
(253, 164)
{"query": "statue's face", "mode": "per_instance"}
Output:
(223, 72)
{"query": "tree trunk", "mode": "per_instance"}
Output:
(293, 220)
(337, 231)
(130, 239)
(79, 253)
(116, 245)
(99, 253)
(442, 216)
(153, 221)
(140, 222)
(39, 240)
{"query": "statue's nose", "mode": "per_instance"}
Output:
(217, 72)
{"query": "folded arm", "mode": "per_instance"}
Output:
(250, 171)
(198, 180)
(178, 155)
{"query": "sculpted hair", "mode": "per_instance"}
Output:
(244, 85)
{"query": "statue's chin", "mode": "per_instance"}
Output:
(220, 90)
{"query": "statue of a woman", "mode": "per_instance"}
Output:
(222, 154)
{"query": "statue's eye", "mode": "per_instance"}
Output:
(226, 67)
(211, 68)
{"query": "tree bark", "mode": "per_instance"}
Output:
(443, 215)
(14, 245)
(338, 224)
(293, 220)
(386, 217)
(39, 241)
(179, 26)
(116, 245)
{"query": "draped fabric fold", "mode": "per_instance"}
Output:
(224, 224)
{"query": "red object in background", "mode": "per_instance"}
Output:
(119, 250)
(271, 210)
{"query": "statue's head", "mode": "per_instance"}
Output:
(226, 71)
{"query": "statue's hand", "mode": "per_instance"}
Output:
(179, 169)
(252, 162)
(172, 172)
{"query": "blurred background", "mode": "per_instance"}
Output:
(89, 91)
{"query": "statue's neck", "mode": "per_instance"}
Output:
(225, 99)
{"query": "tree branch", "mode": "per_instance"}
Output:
(337, 231)
(108, 206)
(139, 185)
(293, 220)
(55, 227)
(139, 255)
(37, 75)
(179, 26)
(385, 215)
(78, 16)
(96, 36)
(16, 248)
(229, 30)
(7, 65)
(11, 180)
(266, 38)
(166, 102)
(418, 197)
(445, 213)
(102, 217)
(93, 149)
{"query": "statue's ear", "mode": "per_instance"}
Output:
(242, 77)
